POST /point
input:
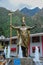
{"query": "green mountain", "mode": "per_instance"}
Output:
(17, 21)
(39, 20)
(4, 22)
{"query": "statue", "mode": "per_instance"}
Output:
(23, 32)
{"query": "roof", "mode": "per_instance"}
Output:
(15, 37)
(7, 39)
(36, 34)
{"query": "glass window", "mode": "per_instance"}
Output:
(33, 49)
(35, 39)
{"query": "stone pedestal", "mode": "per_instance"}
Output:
(23, 61)
(26, 61)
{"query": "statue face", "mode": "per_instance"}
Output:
(23, 24)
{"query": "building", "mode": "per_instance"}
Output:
(6, 41)
(35, 40)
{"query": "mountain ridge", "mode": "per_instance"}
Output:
(30, 12)
(17, 20)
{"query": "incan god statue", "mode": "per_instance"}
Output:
(23, 32)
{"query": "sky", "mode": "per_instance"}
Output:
(19, 4)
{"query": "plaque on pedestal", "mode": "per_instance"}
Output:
(17, 61)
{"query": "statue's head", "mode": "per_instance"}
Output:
(23, 21)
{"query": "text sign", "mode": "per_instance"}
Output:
(17, 61)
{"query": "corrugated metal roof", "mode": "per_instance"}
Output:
(36, 34)
(15, 37)
(7, 39)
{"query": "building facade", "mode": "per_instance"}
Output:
(35, 40)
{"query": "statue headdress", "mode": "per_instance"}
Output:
(23, 21)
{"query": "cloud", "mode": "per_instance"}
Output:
(18, 4)
(36, 3)
(32, 3)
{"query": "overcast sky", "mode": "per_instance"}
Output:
(19, 4)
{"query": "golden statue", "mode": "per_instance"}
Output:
(23, 33)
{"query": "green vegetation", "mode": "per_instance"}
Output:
(17, 21)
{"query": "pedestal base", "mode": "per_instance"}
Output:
(24, 61)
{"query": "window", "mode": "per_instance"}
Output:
(35, 39)
(33, 49)
(14, 41)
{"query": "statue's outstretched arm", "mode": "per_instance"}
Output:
(31, 27)
(14, 27)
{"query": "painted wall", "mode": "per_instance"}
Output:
(35, 44)
(40, 44)
(14, 47)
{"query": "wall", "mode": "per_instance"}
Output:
(35, 44)
(42, 45)
(14, 53)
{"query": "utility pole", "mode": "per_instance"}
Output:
(10, 14)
